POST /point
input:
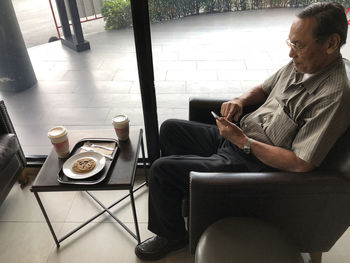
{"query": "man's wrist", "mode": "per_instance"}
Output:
(247, 146)
(239, 100)
(243, 142)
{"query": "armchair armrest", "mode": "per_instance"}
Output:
(6, 127)
(199, 109)
(312, 208)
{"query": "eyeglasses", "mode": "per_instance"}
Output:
(297, 47)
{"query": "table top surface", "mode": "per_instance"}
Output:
(121, 175)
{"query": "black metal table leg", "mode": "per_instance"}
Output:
(46, 218)
(135, 216)
(144, 160)
(97, 215)
(114, 217)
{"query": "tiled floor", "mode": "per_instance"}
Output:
(218, 55)
(25, 237)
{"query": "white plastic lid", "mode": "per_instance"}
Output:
(120, 119)
(57, 132)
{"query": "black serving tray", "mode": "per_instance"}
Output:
(99, 177)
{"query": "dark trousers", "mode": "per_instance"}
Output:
(188, 146)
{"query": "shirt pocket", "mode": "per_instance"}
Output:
(282, 129)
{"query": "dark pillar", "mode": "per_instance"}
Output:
(140, 18)
(16, 71)
(75, 41)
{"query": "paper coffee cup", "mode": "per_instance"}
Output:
(121, 127)
(59, 139)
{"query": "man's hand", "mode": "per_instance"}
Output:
(232, 109)
(273, 156)
(231, 132)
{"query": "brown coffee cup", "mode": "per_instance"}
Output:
(121, 127)
(59, 139)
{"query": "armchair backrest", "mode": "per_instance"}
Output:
(338, 159)
(6, 125)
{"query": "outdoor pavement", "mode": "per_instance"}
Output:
(37, 24)
(213, 55)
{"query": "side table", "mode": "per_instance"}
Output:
(121, 177)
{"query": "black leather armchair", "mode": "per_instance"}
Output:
(312, 208)
(12, 159)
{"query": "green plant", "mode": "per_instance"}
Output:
(117, 14)
(211, 6)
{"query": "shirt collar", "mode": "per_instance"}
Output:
(317, 78)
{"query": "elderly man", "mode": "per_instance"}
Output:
(303, 110)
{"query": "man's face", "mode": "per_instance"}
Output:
(311, 56)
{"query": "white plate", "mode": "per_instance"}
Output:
(97, 157)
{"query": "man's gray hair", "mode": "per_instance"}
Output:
(330, 18)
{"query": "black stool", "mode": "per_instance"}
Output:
(245, 240)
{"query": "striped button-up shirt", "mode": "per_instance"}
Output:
(304, 116)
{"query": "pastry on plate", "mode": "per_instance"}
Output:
(84, 165)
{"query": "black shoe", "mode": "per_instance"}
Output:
(157, 247)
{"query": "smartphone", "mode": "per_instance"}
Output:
(214, 115)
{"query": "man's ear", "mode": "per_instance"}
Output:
(333, 43)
